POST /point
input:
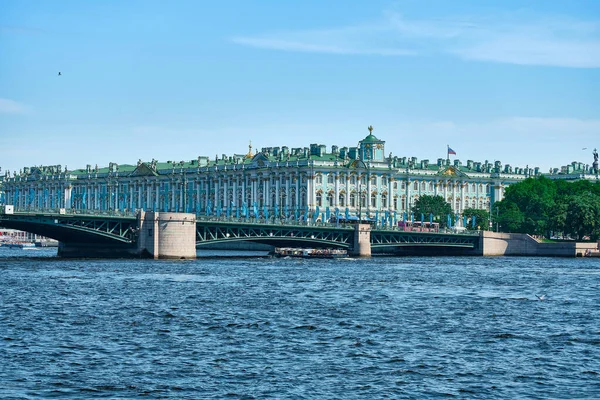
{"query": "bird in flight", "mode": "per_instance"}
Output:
(541, 298)
(585, 148)
(59, 73)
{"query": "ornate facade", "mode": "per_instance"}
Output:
(277, 181)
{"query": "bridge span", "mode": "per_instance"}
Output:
(119, 234)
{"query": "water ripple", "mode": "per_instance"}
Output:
(299, 329)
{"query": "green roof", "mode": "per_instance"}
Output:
(371, 138)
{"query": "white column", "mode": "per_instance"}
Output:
(336, 190)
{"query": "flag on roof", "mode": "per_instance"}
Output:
(450, 151)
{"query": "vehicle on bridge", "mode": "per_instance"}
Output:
(418, 226)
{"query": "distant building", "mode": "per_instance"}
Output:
(275, 181)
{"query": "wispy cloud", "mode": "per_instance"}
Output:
(514, 39)
(8, 106)
(367, 39)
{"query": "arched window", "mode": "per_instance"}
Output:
(416, 185)
(384, 201)
(353, 179)
(373, 200)
(330, 178)
(319, 178)
(341, 199)
(330, 199)
(430, 186)
(373, 179)
(422, 186)
(319, 199)
(352, 199)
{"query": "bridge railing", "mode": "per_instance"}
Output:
(73, 211)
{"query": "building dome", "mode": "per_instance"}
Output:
(370, 139)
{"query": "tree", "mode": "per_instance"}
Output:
(534, 198)
(482, 218)
(558, 215)
(583, 216)
(435, 205)
(510, 218)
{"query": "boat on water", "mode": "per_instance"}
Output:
(592, 253)
(309, 253)
(19, 245)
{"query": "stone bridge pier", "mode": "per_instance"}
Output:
(362, 241)
(167, 235)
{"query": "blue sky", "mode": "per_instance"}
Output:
(515, 81)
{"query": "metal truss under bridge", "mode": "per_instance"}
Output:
(274, 234)
(73, 227)
(393, 238)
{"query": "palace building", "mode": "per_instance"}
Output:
(277, 181)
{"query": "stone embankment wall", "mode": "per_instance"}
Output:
(520, 244)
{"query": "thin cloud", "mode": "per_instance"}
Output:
(355, 40)
(8, 106)
(512, 39)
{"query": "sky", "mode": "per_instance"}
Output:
(497, 80)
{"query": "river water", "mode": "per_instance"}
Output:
(259, 328)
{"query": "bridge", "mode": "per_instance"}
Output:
(113, 234)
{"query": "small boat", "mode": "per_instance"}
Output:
(592, 253)
(19, 245)
(309, 253)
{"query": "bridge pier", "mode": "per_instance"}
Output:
(362, 240)
(167, 235)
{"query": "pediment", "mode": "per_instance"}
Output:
(452, 171)
(356, 164)
(144, 170)
(260, 160)
(34, 174)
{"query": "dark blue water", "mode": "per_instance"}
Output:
(256, 328)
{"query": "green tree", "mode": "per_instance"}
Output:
(583, 216)
(509, 217)
(435, 205)
(482, 218)
(534, 198)
(557, 217)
